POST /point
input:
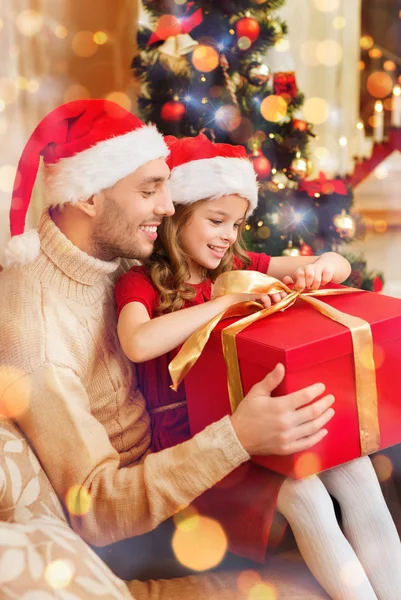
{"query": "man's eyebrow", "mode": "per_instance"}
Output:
(149, 180)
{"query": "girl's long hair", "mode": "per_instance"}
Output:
(168, 266)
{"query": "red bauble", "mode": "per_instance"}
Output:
(261, 165)
(300, 125)
(172, 111)
(306, 250)
(247, 27)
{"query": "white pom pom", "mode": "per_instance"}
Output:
(21, 249)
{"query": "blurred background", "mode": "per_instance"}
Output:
(311, 87)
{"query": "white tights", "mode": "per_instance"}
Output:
(364, 563)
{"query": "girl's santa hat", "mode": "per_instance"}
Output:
(87, 146)
(201, 169)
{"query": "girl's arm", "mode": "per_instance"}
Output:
(142, 338)
(310, 271)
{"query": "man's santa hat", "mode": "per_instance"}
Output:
(87, 146)
(201, 169)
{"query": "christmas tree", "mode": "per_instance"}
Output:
(204, 67)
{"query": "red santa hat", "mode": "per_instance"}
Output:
(201, 169)
(87, 146)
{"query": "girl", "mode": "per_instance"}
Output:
(214, 188)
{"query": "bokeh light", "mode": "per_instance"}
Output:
(15, 392)
(61, 32)
(21, 83)
(379, 84)
(309, 53)
(375, 53)
(361, 65)
(263, 232)
(100, 38)
(327, 5)
(329, 53)
(228, 117)
(33, 86)
(205, 58)
(59, 573)
(121, 99)
(383, 467)
(352, 574)
(381, 172)
(202, 546)
(29, 22)
(83, 44)
(76, 92)
(339, 23)
(316, 110)
(273, 108)
(247, 580)
(244, 43)
(78, 501)
(389, 65)
(263, 591)
(307, 463)
(366, 42)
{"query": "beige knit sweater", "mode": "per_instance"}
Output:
(82, 410)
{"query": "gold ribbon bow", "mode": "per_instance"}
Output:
(253, 282)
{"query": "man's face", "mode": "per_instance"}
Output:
(130, 213)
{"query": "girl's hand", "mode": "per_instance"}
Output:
(312, 276)
(266, 299)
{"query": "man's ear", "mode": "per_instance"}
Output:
(91, 207)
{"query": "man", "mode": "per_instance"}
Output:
(105, 177)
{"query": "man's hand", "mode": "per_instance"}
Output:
(281, 425)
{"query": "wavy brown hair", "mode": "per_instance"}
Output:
(168, 266)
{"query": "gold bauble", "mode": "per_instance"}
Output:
(344, 224)
(301, 167)
(290, 250)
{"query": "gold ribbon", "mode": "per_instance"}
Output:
(253, 282)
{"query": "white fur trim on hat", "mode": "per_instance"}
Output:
(21, 249)
(212, 178)
(102, 166)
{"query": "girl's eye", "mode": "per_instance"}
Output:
(147, 194)
(237, 225)
(216, 222)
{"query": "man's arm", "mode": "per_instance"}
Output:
(75, 452)
(121, 502)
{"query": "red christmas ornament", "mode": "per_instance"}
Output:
(284, 84)
(247, 27)
(306, 250)
(261, 165)
(377, 284)
(172, 111)
(300, 125)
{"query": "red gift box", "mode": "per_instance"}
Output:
(313, 349)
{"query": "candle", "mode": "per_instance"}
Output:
(343, 156)
(360, 140)
(396, 107)
(378, 123)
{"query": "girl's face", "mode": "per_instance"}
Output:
(210, 231)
